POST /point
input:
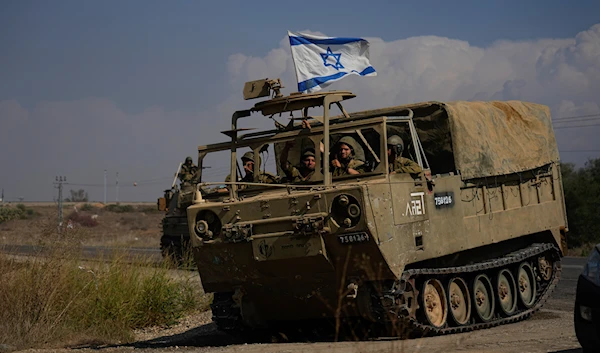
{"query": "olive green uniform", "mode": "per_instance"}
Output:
(404, 165)
(293, 173)
(353, 163)
(263, 177)
(187, 172)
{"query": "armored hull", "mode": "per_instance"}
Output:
(473, 241)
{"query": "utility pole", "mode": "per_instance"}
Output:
(117, 188)
(105, 186)
(59, 181)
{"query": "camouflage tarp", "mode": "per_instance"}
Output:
(496, 138)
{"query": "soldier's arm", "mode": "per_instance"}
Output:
(182, 173)
(358, 168)
(411, 166)
(283, 159)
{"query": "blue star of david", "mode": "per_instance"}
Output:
(329, 53)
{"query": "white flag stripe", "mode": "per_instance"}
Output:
(322, 60)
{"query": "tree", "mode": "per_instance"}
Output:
(77, 196)
(582, 198)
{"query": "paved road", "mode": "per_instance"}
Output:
(88, 252)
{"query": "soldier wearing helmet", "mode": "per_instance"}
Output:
(345, 161)
(304, 171)
(397, 163)
(187, 171)
(248, 161)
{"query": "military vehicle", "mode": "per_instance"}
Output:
(175, 237)
(474, 240)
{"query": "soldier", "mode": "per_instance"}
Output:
(304, 171)
(187, 171)
(345, 162)
(397, 163)
(248, 163)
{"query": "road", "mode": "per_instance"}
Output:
(87, 252)
(549, 330)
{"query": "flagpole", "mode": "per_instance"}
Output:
(294, 61)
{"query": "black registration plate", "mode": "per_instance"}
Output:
(353, 238)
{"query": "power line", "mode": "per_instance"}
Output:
(577, 117)
(577, 151)
(576, 120)
(575, 126)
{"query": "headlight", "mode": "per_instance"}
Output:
(591, 270)
(345, 211)
(201, 227)
(208, 225)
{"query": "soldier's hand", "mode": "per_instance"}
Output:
(305, 124)
(336, 163)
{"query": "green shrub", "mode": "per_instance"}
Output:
(119, 208)
(87, 207)
(9, 213)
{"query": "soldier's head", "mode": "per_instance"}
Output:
(188, 161)
(395, 146)
(248, 162)
(346, 147)
(308, 159)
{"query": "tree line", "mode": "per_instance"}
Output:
(582, 198)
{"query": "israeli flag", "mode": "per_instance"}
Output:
(319, 61)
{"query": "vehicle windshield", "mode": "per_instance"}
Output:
(296, 156)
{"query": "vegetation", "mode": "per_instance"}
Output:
(82, 219)
(8, 213)
(77, 196)
(582, 197)
(119, 208)
(58, 298)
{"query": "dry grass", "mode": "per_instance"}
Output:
(138, 228)
(57, 298)
(584, 250)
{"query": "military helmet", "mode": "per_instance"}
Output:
(349, 141)
(249, 156)
(357, 150)
(396, 143)
(188, 159)
(309, 152)
(395, 140)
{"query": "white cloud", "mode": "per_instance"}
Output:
(82, 138)
(561, 73)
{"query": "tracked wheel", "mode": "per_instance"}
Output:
(408, 299)
(483, 298)
(545, 268)
(459, 301)
(506, 292)
(435, 305)
(526, 284)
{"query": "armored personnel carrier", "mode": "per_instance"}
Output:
(175, 236)
(472, 240)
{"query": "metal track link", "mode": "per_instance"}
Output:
(510, 259)
(225, 312)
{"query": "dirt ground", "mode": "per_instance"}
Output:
(138, 228)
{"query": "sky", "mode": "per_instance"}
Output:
(135, 86)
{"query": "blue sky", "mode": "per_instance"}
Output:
(136, 71)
